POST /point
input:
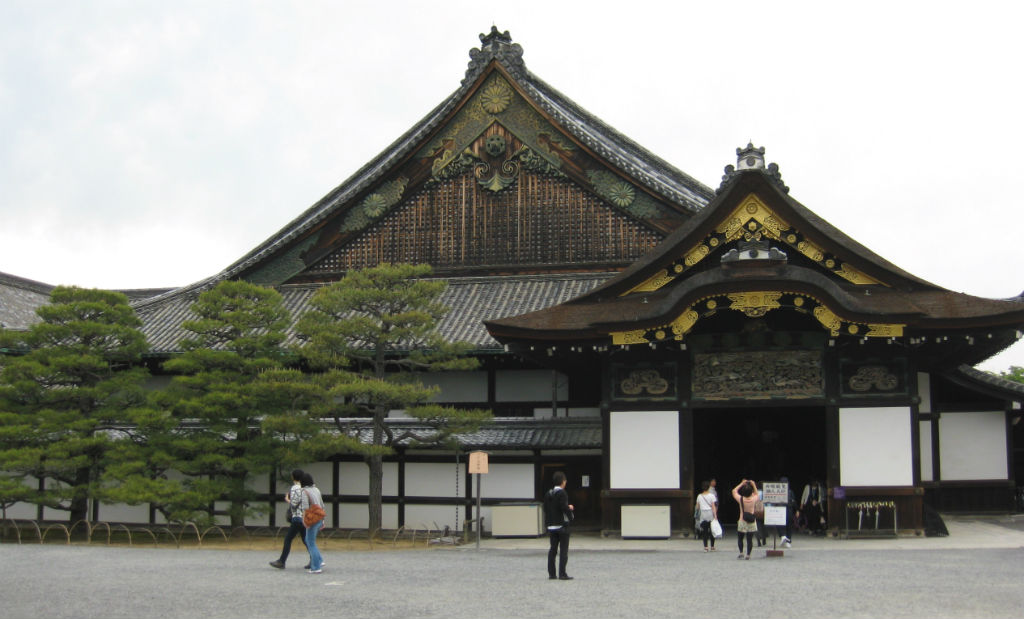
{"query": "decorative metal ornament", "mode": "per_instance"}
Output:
(496, 96)
(875, 376)
(639, 381)
(495, 145)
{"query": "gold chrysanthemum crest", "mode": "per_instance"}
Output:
(496, 96)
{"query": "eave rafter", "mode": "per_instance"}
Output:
(753, 220)
(755, 305)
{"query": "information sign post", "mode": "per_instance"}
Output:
(776, 502)
(478, 467)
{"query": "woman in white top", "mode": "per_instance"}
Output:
(708, 505)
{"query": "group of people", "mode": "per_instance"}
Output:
(810, 515)
(558, 514)
(301, 497)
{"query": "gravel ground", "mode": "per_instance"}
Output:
(75, 581)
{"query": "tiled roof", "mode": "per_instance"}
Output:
(1000, 385)
(19, 298)
(471, 300)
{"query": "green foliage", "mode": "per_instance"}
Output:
(374, 328)
(237, 409)
(1015, 373)
(66, 401)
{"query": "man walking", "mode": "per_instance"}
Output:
(557, 516)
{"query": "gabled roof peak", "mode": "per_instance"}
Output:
(498, 46)
(752, 158)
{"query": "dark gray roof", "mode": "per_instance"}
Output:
(515, 433)
(471, 299)
(19, 298)
(996, 385)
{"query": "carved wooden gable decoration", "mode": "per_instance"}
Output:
(494, 180)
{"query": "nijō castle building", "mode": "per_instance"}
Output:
(637, 329)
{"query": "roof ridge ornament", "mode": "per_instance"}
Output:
(752, 158)
(498, 46)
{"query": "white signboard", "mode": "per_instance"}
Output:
(774, 515)
(776, 492)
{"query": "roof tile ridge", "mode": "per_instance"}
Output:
(543, 88)
(355, 183)
(25, 283)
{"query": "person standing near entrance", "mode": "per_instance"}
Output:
(745, 494)
(708, 505)
(294, 498)
(558, 513)
(812, 505)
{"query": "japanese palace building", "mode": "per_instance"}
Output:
(637, 329)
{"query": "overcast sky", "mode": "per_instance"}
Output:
(150, 144)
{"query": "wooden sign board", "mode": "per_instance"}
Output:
(478, 462)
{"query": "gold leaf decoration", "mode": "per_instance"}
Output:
(496, 96)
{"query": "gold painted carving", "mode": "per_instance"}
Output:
(697, 254)
(880, 330)
(811, 250)
(752, 208)
(652, 283)
(827, 318)
(496, 96)
(639, 381)
(755, 304)
(621, 338)
(875, 376)
(853, 275)
(682, 325)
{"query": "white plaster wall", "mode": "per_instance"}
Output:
(507, 481)
(644, 449)
(925, 429)
(875, 446)
(120, 512)
(355, 478)
(973, 445)
(438, 479)
(357, 516)
(422, 517)
(22, 511)
(527, 386)
(457, 386)
(323, 477)
(924, 391)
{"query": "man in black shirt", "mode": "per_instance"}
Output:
(557, 516)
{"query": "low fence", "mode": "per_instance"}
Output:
(191, 535)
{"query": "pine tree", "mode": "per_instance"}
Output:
(69, 398)
(225, 398)
(377, 329)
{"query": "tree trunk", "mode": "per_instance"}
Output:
(79, 506)
(376, 464)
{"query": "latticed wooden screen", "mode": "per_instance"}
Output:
(539, 220)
